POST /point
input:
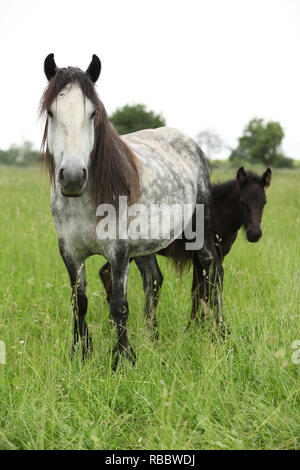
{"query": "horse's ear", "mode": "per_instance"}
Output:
(241, 175)
(94, 68)
(266, 177)
(50, 66)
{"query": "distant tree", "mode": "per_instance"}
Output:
(9, 157)
(135, 118)
(20, 154)
(210, 142)
(285, 162)
(260, 143)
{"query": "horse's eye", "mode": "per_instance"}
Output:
(93, 115)
(49, 112)
(243, 203)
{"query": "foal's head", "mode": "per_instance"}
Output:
(72, 107)
(252, 200)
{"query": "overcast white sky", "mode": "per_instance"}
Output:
(202, 64)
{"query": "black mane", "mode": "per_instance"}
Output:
(221, 190)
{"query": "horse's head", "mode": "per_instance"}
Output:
(71, 105)
(252, 200)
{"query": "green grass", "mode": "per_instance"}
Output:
(188, 390)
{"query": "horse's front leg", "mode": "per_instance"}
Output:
(119, 307)
(105, 276)
(77, 276)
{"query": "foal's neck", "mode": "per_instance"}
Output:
(227, 209)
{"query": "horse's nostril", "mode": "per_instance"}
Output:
(61, 174)
(84, 174)
(254, 236)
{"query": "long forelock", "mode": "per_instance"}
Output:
(63, 78)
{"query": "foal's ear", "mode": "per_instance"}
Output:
(266, 177)
(241, 175)
(50, 66)
(94, 69)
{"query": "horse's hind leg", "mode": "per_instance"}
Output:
(207, 274)
(76, 272)
(152, 283)
(207, 287)
(198, 289)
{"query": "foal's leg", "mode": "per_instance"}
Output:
(76, 272)
(152, 283)
(119, 307)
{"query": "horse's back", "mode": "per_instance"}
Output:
(171, 160)
(164, 139)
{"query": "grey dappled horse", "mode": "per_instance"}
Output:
(89, 165)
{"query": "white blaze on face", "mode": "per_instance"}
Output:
(71, 128)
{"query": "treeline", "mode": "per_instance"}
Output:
(260, 143)
(21, 155)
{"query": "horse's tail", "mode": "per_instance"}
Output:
(176, 251)
(182, 258)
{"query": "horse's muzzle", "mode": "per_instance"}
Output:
(253, 235)
(72, 181)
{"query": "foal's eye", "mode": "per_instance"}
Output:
(93, 115)
(49, 112)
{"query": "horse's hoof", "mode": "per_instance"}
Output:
(86, 349)
(196, 320)
(127, 354)
(224, 330)
(154, 332)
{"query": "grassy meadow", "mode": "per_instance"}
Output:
(188, 390)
